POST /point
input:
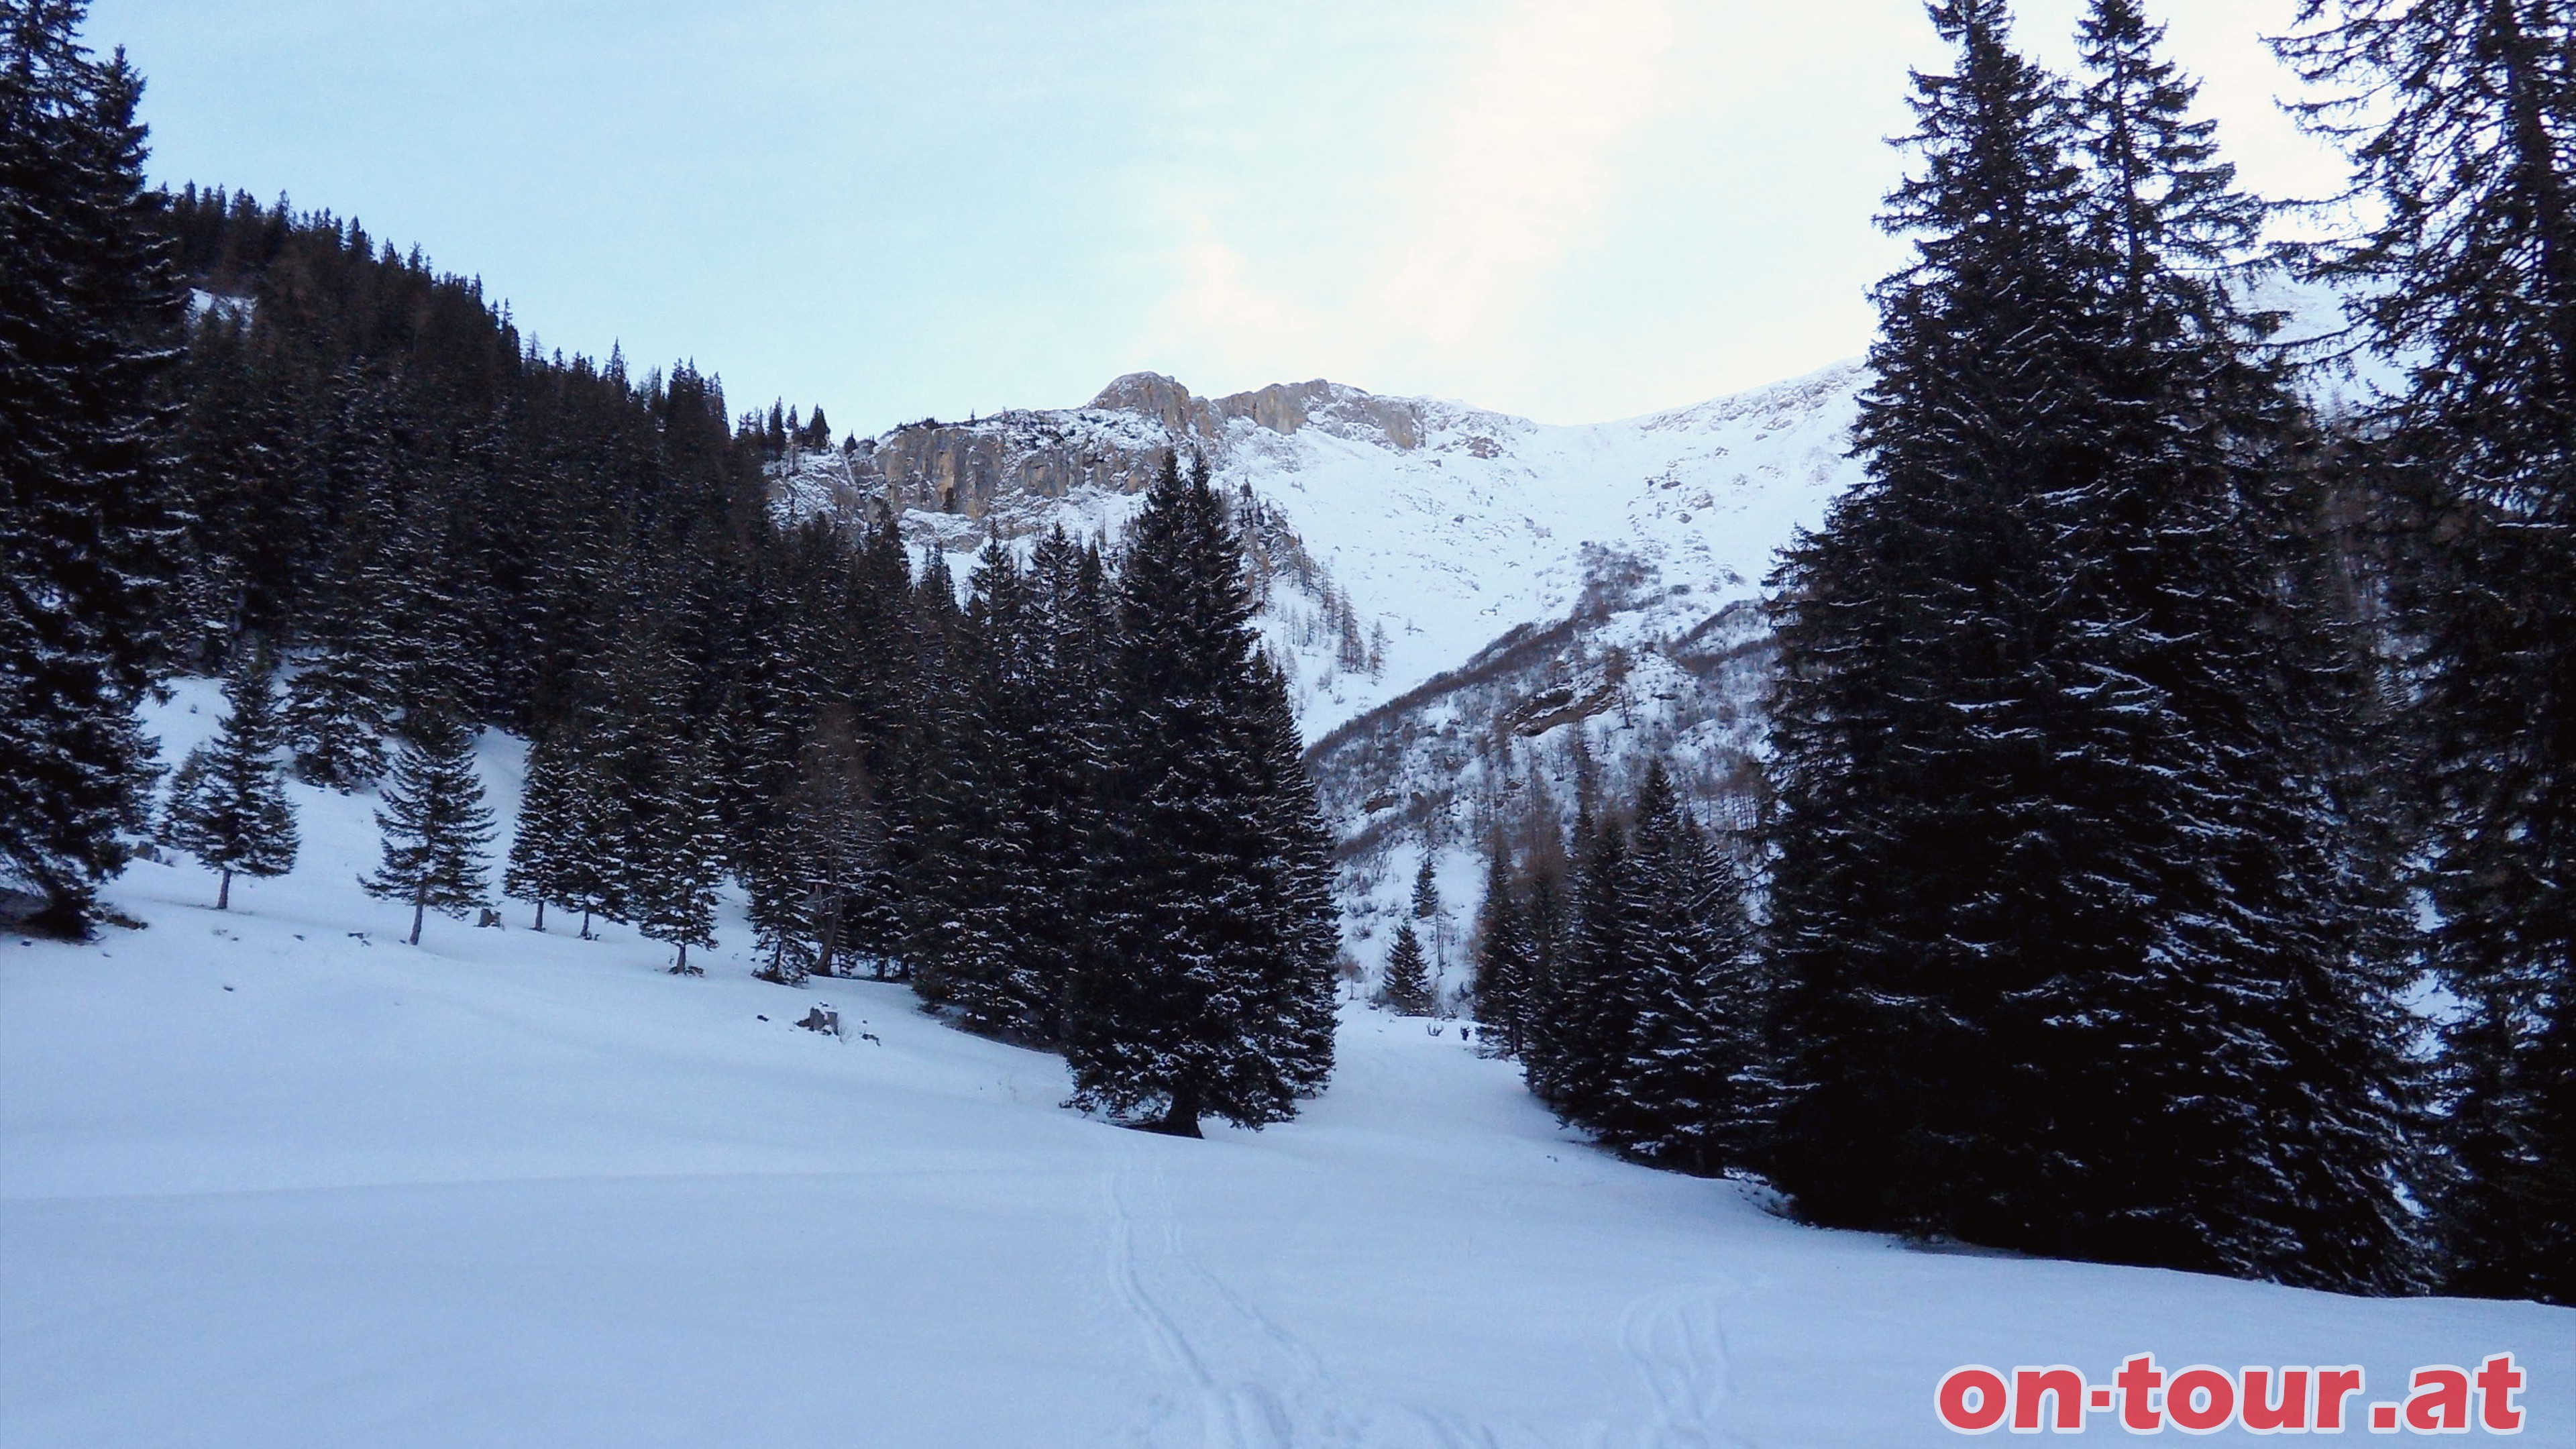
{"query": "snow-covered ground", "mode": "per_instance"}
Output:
(268, 1183)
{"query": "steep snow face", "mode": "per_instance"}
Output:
(1401, 535)
(1492, 523)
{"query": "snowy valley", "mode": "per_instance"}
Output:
(271, 1177)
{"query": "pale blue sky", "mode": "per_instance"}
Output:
(1571, 209)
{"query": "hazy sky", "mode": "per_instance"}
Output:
(1571, 209)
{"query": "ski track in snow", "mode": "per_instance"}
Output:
(1256, 1385)
(1678, 1342)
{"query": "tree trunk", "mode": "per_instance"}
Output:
(1182, 1119)
(585, 923)
(541, 913)
(224, 893)
(828, 958)
(419, 910)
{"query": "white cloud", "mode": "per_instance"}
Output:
(1520, 167)
(1507, 172)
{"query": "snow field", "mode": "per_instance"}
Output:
(518, 1189)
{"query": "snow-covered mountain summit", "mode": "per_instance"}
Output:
(1402, 535)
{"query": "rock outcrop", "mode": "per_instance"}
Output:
(1115, 443)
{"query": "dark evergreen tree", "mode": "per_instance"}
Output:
(227, 807)
(1693, 1091)
(833, 841)
(434, 822)
(1207, 998)
(1587, 1021)
(921, 843)
(676, 855)
(2457, 114)
(340, 704)
(984, 877)
(1406, 986)
(544, 853)
(2051, 837)
(1063, 756)
(600, 831)
(1505, 955)
(1297, 927)
(89, 531)
(1426, 906)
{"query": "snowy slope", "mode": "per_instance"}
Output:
(266, 1184)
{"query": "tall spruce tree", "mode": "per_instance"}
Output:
(434, 822)
(2220, 698)
(2457, 114)
(340, 704)
(1209, 998)
(921, 844)
(2062, 905)
(90, 310)
(1064, 742)
(1298, 925)
(227, 807)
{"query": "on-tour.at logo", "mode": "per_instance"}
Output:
(2145, 1398)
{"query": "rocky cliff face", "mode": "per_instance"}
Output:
(978, 469)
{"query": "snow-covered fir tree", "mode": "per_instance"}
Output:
(1218, 963)
(1505, 956)
(1064, 750)
(1426, 905)
(228, 807)
(434, 822)
(987, 878)
(830, 856)
(544, 859)
(2051, 838)
(1587, 1020)
(1693, 1091)
(338, 706)
(676, 855)
(90, 310)
(1406, 986)
(335, 722)
(2457, 114)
